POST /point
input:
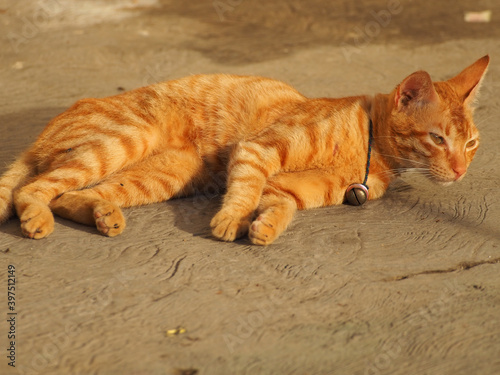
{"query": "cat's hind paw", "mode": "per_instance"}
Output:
(226, 227)
(37, 222)
(262, 231)
(109, 219)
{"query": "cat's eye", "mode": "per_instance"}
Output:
(437, 139)
(471, 143)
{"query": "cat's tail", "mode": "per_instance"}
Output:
(16, 176)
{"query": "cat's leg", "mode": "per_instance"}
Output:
(155, 179)
(59, 172)
(32, 200)
(17, 175)
(284, 193)
(86, 207)
(250, 166)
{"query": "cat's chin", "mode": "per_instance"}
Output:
(445, 183)
(440, 181)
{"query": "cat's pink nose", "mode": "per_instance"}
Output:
(459, 172)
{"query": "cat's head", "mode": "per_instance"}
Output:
(432, 125)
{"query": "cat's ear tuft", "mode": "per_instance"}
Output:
(416, 90)
(468, 82)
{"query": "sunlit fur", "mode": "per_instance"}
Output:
(275, 150)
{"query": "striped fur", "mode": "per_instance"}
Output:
(277, 150)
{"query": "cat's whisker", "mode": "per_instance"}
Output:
(408, 171)
(403, 159)
(390, 172)
(484, 119)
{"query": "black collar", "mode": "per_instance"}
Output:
(357, 194)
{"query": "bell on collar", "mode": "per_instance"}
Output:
(356, 194)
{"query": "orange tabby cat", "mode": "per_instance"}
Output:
(281, 151)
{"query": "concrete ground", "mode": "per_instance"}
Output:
(408, 284)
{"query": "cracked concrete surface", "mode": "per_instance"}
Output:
(318, 301)
(460, 267)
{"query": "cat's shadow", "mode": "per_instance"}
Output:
(193, 215)
(404, 197)
(20, 130)
(12, 227)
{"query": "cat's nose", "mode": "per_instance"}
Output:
(459, 172)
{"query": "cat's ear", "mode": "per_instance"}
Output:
(467, 83)
(415, 91)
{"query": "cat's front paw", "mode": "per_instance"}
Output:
(226, 227)
(262, 231)
(109, 219)
(37, 222)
